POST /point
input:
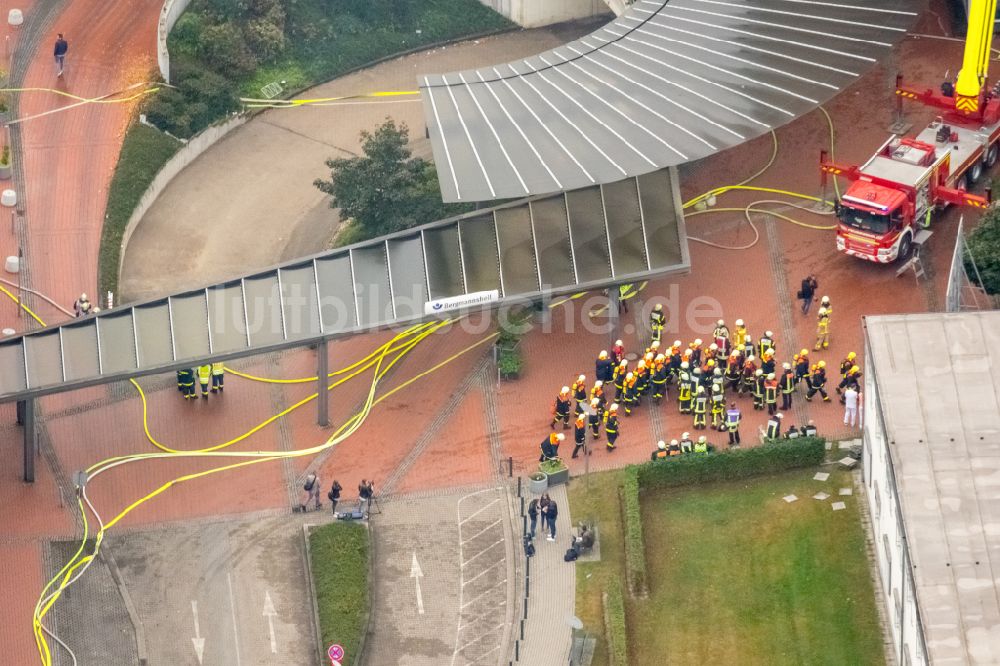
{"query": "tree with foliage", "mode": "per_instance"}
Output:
(984, 246)
(386, 189)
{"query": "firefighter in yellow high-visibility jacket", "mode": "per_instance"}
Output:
(204, 377)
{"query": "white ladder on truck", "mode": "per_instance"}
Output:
(914, 263)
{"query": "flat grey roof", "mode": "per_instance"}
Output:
(664, 84)
(938, 382)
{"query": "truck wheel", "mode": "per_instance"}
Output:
(904, 248)
(991, 156)
(973, 175)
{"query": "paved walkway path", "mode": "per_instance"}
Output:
(547, 633)
(64, 164)
(249, 201)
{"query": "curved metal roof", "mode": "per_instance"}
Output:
(664, 84)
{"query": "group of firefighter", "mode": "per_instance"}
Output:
(732, 364)
(213, 374)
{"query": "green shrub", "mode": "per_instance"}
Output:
(551, 467)
(510, 362)
(339, 556)
(635, 547)
(984, 246)
(349, 234)
(614, 617)
(768, 458)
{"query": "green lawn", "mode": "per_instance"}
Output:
(340, 573)
(595, 500)
(737, 575)
(143, 153)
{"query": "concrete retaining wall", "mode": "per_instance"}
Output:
(172, 10)
(189, 153)
(536, 13)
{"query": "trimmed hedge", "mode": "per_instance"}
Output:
(614, 619)
(769, 458)
(635, 547)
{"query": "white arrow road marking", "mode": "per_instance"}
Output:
(416, 574)
(197, 641)
(269, 613)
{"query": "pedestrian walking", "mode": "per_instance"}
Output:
(579, 435)
(551, 512)
(611, 426)
(334, 495)
(204, 377)
(311, 488)
(807, 292)
(62, 46)
(822, 330)
(218, 377)
(560, 410)
(851, 406)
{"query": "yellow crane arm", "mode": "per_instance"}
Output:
(976, 61)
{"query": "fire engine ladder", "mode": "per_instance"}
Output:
(914, 263)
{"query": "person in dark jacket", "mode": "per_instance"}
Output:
(807, 292)
(533, 515)
(604, 368)
(334, 495)
(551, 511)
(62, 46)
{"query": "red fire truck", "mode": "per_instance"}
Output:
(897, 190)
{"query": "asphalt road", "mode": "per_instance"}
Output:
(223, 593)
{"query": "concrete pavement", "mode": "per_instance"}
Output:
(205, 592)
(444, 580)
(249, 201)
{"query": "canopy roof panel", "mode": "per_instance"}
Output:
(567, 242)
(668, 82)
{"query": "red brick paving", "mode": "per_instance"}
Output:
(460, 454)
(65, 230)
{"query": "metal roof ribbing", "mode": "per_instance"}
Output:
(572, 241)
(664, 84)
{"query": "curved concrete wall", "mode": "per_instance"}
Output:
(536, 13)
(172, 10)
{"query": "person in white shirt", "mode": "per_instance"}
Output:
(851, 406)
